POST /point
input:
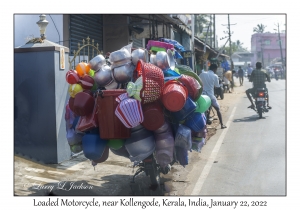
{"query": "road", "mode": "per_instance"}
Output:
(251, 157)
(247, 158)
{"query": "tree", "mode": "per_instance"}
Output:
(260, 28)
(235, 47)
(200, 22)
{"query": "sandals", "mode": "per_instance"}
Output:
(251, 107)
(223, 126)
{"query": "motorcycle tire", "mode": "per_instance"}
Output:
(259, 110)
(155, 176)
(222, 93)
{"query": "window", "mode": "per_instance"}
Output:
(267, 42)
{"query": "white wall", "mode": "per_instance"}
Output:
(25, 26)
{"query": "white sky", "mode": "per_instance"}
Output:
(244, 24)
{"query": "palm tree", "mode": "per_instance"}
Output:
(260, 28)
(200, 22)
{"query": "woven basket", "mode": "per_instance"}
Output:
(153, 81)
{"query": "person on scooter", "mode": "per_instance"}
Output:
(258, 77)
(211, 80)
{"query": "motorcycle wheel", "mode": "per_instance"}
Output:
(259, 110)
(155, 176)
(222, 93)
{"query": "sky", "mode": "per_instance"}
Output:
(244, 24)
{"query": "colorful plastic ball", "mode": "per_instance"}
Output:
(74, 89)
(82, 68)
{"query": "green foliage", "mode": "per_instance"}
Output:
(260, 28)
(236, 46)
(201, 21)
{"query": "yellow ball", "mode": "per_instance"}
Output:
(74, 89)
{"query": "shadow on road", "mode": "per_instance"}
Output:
(250, 119)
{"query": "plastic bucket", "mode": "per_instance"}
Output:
(203, 103)
(174, 96)
(192, 85)
(84, 104)
(93, 146)
(104, 156)
(153, 116)
(188, 108)
(110, 126)
(120, 152)
(115, 143)
(196, 122)
(141, 144)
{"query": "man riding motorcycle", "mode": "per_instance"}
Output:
(258, 77)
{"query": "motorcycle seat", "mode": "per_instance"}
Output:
(260, 89)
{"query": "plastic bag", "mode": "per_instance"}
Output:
(183, 137)
(176, 44)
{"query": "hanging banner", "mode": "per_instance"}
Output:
(187, 58)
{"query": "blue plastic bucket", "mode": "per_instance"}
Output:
(188, 108)
(196, 121)
(93, 146)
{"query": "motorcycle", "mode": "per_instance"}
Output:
(220, 91)
(260, 99)
(152, 169)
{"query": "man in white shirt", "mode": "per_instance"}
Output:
(211, 80)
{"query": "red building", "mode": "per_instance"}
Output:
(266, 48)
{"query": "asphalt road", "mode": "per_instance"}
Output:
(249, 158)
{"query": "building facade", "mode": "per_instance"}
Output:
(266, 48)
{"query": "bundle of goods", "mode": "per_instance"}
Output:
(135, 108)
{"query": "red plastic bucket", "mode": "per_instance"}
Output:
(153, 116)
(110, 126)
(83, 104)
(174, 95)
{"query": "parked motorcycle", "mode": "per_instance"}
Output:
(220, 91)
(260, 99)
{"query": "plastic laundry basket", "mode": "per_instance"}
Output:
(153, 81)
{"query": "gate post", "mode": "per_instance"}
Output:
(40, 97)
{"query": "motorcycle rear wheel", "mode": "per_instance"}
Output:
(259, 110)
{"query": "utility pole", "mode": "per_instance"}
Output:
(229, 37)
(210, 33)
(280, 45)
(214, 19)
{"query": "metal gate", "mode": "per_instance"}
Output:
(84, 53)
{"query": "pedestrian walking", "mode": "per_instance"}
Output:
(241, 75)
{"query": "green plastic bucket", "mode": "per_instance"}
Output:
(115, 143)
(203, 103)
